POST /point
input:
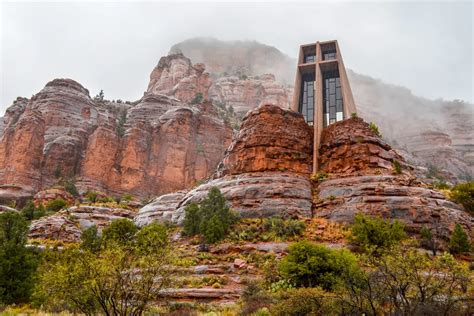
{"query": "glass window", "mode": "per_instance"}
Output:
(309, 58)
(306, 106)
(332, 98)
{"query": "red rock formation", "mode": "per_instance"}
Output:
(265, 171)
(62, 132)
(362, 179)
(176, 76)
(45, 196)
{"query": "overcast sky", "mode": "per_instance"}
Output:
(425, 46)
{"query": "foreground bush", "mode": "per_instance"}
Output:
(311, 265)
(305, 301)
(56, 205)
(121, 278)
(376, 234)
(17, 262)
(212, 218)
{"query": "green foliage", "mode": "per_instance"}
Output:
(406, 282)
(121, 123)
(70, 187)
(433, 172)
(282, 228)
(305, 301)
(319, 177)
(126, 197)
(397, 167)
(152, 238)
(375, 129)
(56, 205)
(463, 194)
(310, 265)
(90, 239)
(121, 231)
(376, 234)
(459, 241)
(91, 196)
(198, 97)
(441, 185)
(100, 96)
(353, 115)
(31, 212)
(17, 262)
(57, 172)
(428, 240)
(105, 199)
(212, 218)
(254, 298)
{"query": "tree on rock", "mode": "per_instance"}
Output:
(459, 242)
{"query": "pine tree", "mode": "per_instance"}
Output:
(459, 242)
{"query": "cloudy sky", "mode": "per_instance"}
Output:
(425, 46)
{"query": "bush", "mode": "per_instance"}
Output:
(254, 298)
(152, 238)
(198, 97)
(311, 265)
(90, 239)
(126, 197)
(91, 196)
(463, 194)
(304, 301)
(121, 231)
(375, 129)
(282, 228)
(212, 218)
(17, 262)
(428, 240)
(441, 185)
(459, 242)
(375, 234)
(397, 167)
(56, 205)
(70, 187)
(31, 212)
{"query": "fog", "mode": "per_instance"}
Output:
(425, 46)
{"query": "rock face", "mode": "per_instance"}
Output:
(265, 170)
(160, 209)
(362, 179)
(156, 145)
(246, 93)
(67, 225)
(176, 76)
(45, 196)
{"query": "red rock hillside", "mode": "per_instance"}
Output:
(363, 176)
(155, 145)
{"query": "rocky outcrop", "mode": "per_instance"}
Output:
(265, 170)
(160, 209)
(362, 178)
(45, 196)
(246, 93)
(153, 146)
(176, 76)
(67, 225)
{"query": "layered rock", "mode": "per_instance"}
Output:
(67, 225)
(265, 170)
(45, 196)
(362, 178)
(161, 208)
(176, 76)
(246, 93)
(156, 145)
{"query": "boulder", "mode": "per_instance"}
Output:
(45, 196)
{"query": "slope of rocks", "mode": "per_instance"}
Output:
(265, 170)
(362, 177)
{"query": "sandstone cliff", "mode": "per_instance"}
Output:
(265, 170)
(155, 145)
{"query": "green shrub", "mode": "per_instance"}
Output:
(126, 197)
(91, 196)
(254, 298)
(397, 167)
(310, 265)
(212, 218)
(459, 241)
(375, 129)
(152, 238)
(17, 262)
(70, 187)
(441, 185)
(463, 194)
(284, 228)
(106, 199)
(319, 177)
(120, 231)
(428, 240)
(31, 212)
(56, 205)
(198, 97)
(90, 239)
(376, 234)
(305, 301)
